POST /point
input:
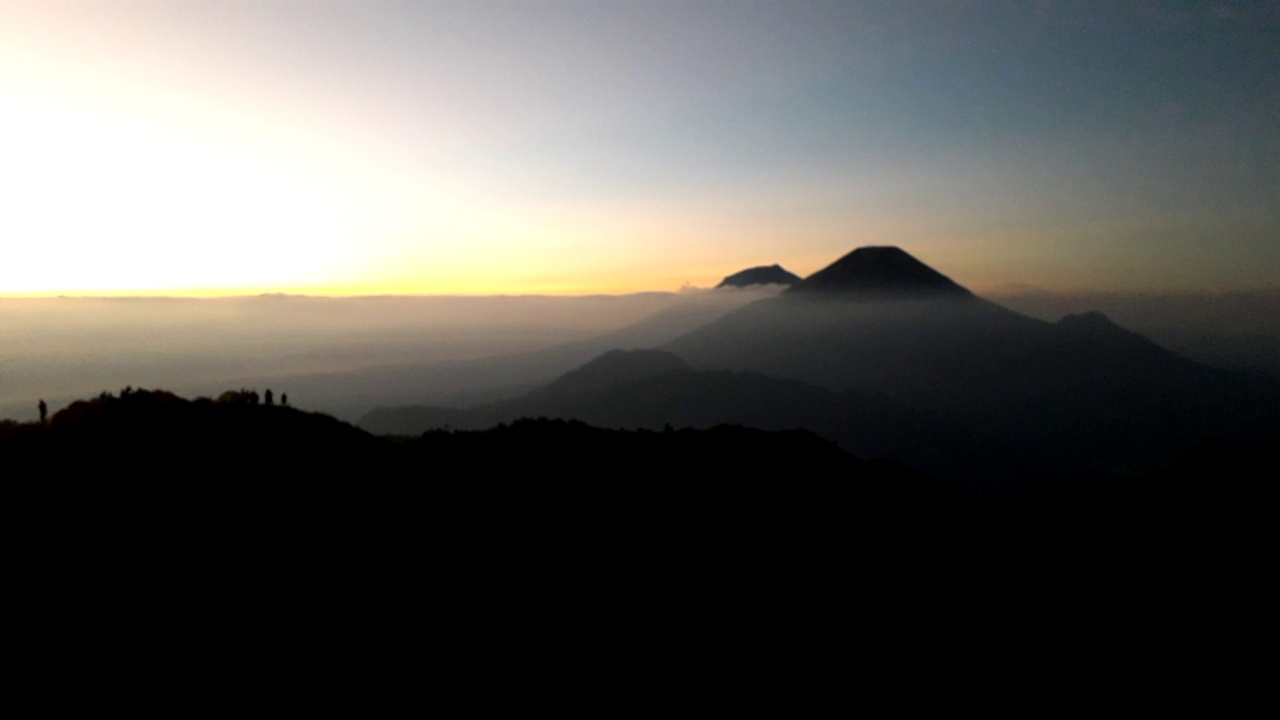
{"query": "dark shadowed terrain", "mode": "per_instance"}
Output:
(247, 524)
(194, 466)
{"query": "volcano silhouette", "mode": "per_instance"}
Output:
(763, 275)
(878, 321)
(888, 357)
(880, 272)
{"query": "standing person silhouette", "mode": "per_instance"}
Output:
(266, 397)
(44, 411)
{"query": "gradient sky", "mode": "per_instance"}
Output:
(186, 147)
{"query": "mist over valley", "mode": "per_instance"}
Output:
(877, 352)
(340, 355)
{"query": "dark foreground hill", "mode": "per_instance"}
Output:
(140, 451)
(182, 482)
(157, 436)
(248, 533)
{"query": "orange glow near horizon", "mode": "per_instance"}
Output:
(151, 148)
(456, 287)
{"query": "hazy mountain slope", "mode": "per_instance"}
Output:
(1238, 330)
(881, 322)
(911, 349)
(653, 389)
(892, 358)
(492, 378)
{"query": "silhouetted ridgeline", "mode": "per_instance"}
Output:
(148, 437)
(154, 435)
(230, 522)
(162, 474)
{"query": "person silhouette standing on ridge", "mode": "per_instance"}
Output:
(266, 397)
(44, 411)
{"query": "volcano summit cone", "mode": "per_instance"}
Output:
(880, 273)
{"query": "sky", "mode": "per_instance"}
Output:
(376, 147)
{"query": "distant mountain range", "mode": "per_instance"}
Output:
(893, 359)
(878, 321)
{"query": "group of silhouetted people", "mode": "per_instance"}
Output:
(251, 397)
(246, 396)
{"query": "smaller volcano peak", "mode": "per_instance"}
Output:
(1091, 318)
(1091, 324)
(880, 272)
(763, 275)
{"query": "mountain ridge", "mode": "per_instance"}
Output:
(887, 355)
